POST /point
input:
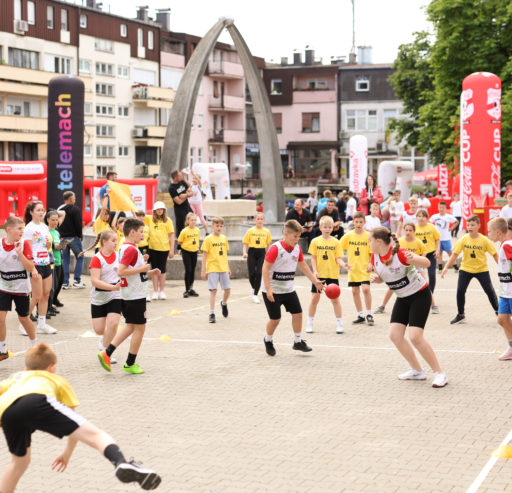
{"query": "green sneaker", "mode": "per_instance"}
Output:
(135, 369)
(104, 360)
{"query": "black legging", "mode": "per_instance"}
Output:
(432, 271)
(58, 279)
(180, 214)
(485, 281)
(255, 258)
(456, 229)
(189, 261)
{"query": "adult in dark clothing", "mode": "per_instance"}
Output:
(341, 205)
(302, 215)
(180, 191)
(71, 236)
(330, 210)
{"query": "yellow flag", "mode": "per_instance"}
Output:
(120, 197)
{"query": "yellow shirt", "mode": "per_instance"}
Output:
(428, 235)
(144, 241)
(120, 239)
(358, 253)
(159, 234)
(473, 253)
(36, 382)
(257, 237)
(99, 226)
(326, 252)
(189, 239)
(416, 246)
(216, 248)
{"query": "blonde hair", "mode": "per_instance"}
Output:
(292, 226)
(140, 213)
(259, 214)
(326, 220)
(327, 194)
(499, 223)
(188, 216)
(12, 221)
(217, 220)
(40, 357)
(384, 234)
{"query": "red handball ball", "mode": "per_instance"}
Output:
(332, 291)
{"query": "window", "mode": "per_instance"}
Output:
(104, 68)
(388, 114)
(17, 10)
(104, 151)
(215, 155)
(278, 122)
(151, 40)
(57, 64)
(104, 45)
(361, 119)
(64, 20)
(316, 84)
(104, 130)
(199, 154)
(49, 17)
(192, 155)
(14, 109)
(362, 84)
(105, 109)
(140, 37)
(124, 30)
(310, 122)
(123, 151)
(31, 13)
(87, 150)
(123, 72)
(123, 111)
(146, 155)
(83, 21)
(101, 171)
(276, 87)
(87, 108)
(84, 66)
(24, 58)
(199, 122)
(104, 89)
(1, 108)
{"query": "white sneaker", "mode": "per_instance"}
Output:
(155, 296)
(339, 330)
(440, 380)
(161, 296)
(309, 329)
(46, 329)
(255, 299)
(148, 298)
(113, 361)
(22, 330)
(413, 375)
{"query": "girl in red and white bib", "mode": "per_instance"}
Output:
(397, 267)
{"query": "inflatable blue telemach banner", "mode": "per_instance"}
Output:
(65, 139)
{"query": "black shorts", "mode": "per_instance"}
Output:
(101, 311)
(134, 311)
(158, 260)
(412, 310)
(326, 281)
(144, 250)
(37, 412)
(21, 303)
(44, 270)
(289, 300)
(357, 283)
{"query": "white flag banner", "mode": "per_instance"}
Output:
(358, 162)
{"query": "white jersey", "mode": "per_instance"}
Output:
(13, 276)
(442, 224)
(396, 209)
(404, 280)
(282, 272)
(196, 196)
(38, 235)
(371, 222)
(505, 269)
(409, 218)
(506, 212)
(133, 287)
(108, 274)
(456, 208)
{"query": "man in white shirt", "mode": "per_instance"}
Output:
(444, 223)
(456, 208)
(506, 212)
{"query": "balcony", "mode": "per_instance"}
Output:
(226, 103)
(152, 97)
(224, 136)
(314, 96)
(225, 70)
(146, 170)
(23, 129)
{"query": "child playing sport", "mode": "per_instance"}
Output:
(444, 223)
(215, 266)
(15, 266)
(39, 399)
(408, 217)
(278, 274)
(326, 253)
(105, 294)
(373, 220)
(397, 268)
(500, 229)
(143, 246)
(396, 210)
(357, 247)
(134, 272)
(255, 243)
(189, 241)
(473, 246)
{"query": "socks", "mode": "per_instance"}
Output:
(41, 321)
(360, 314)
(212, 311)
(510, 342)
(3, 347)
(311, 320)
(368, 312)
(298, 337)
(131, 359)
(33, 342)
(223, 303)
(114, 454)
(339, 322)
(110, 350)
(268, 338)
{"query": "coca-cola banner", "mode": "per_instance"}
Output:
(358, 162)
(480, 139)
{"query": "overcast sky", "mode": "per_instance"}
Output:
(275, 28)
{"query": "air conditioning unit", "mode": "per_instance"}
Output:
(20, 27)
(382, 146)
(138, 132)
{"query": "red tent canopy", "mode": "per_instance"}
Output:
(427, 175)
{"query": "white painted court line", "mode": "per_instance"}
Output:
(487, 468)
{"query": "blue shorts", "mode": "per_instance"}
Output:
(446, 246)
(505, 306)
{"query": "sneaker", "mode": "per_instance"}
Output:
(224, 307)
(148, 298)
(435, 309)
(255, 299)
(302, 346)
(135, 369)
(459, 319)
(339, 330)
(155, 296)
(413, 375)
(131, 472)
(53, 311)
(369, 320)
(104, 360)
(359, 320)
(185, 294)
(33, 318)
(440, 380)
(4, 355)
(211, 318)
(49, 315)
(46, 329)
(66, 286)
(22, 330)
(380, 309)
(309, 329)
(161, 296)
(269, 347)
(113, 361)
(193, 293)
(58, 304)
(506, 355)
(79, 285)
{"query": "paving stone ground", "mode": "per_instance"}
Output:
(214, 413)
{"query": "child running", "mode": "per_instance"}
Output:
(357, 246)
(326, 253)
(105, 294)
(189, 241)
(410, 216)
(444, 223)
(143, 246)
(134, 272)
(255, 243)
(215, 266)
(39, 399)
(278, 273)
(473, 246)
(397, 268)
(373, 220)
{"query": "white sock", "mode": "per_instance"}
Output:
(33, 342)
(41, 321)
(339, 321)
(310, 320)
(212, 311)
(361, 314)
(368, 312)
(223, 303)
(3, 347)
(298, 337)
(268, 338)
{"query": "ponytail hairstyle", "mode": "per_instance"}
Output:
(50, 213)
(384, 234)
(104, 235)
(27, 217)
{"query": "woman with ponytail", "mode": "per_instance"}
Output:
(397, 268)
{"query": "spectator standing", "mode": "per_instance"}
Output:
(303, 217)
(369, 194)
(351, 206)
(423, 203)
(506, 211)
(71, 235)
(249, 195)
(312, 201)
(456, 208)
(180, 191)
(341, 205)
